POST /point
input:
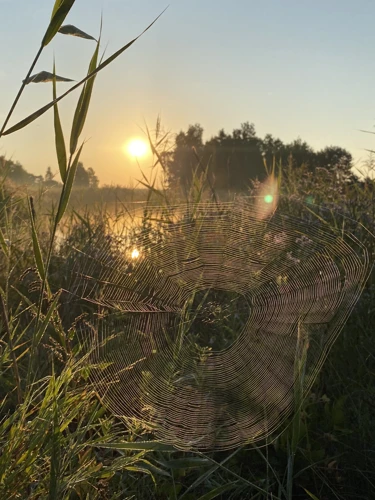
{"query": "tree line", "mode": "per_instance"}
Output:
(234, 159)
(16, 173)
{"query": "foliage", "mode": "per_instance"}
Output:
(237, 158)
(16, 173)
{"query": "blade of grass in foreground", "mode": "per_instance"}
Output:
(29, 119)
(36, 247)
(82, 108)
(67, 189)
(60, 11)
(59, 135)
(138, 446)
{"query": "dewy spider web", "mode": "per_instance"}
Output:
(215, 318)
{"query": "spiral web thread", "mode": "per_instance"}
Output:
(285, 285)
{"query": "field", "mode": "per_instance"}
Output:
(58, 437)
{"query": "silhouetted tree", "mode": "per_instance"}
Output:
(15, 172)
(335, 158)
(85, 178)
(93, 179)
(236, 159)
(184, 161)
(49, 178)
(82, 177)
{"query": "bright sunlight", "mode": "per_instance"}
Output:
(137, 148)
(135, 254)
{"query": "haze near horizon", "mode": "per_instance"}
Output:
(294, 70)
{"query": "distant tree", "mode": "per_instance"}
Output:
(49, 178)
(237, 158)
(82, 178)
(298, 152)
(85, 178)
(16, 173)
(93, 179)
(272, 149)
(233, 159)
(335, 158)
(183, 162)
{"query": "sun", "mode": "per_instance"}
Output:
(137, 148)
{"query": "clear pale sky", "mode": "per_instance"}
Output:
(294, 68)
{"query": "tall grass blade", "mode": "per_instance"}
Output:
(55, 452)
(311, 495)
(219, 491)
(59, 135)
(82, 108)
(59, 14)
(139, 446)
(67, 189)
(23, 123)
(55, 7)
(186, 463)
(29, 119)
(36, 247)
(3, 243)
(43, 327)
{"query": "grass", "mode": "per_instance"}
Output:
(59, 441)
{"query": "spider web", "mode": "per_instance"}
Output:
(213, 320)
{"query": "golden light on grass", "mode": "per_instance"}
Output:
(137, 148)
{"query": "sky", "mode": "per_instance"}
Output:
(294, 68)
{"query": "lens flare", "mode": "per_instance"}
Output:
(268, 198)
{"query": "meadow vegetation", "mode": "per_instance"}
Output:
(58, 441)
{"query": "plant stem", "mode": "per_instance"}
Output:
(20, 91)
(11, 348)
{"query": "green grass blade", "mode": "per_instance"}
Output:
(43, 327)
(59, 14)
(311, 495)
(3, 243)
(36, 247)
(139, 446)
(218, 491)
(83, 103)
(186, 463)
(125, 47)
(67, 189)
(59, 135)
(29, 119)
(55, 451)
(23, 123)
(55, 7)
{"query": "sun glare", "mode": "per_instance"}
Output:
(137, 148)
(135, 254)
